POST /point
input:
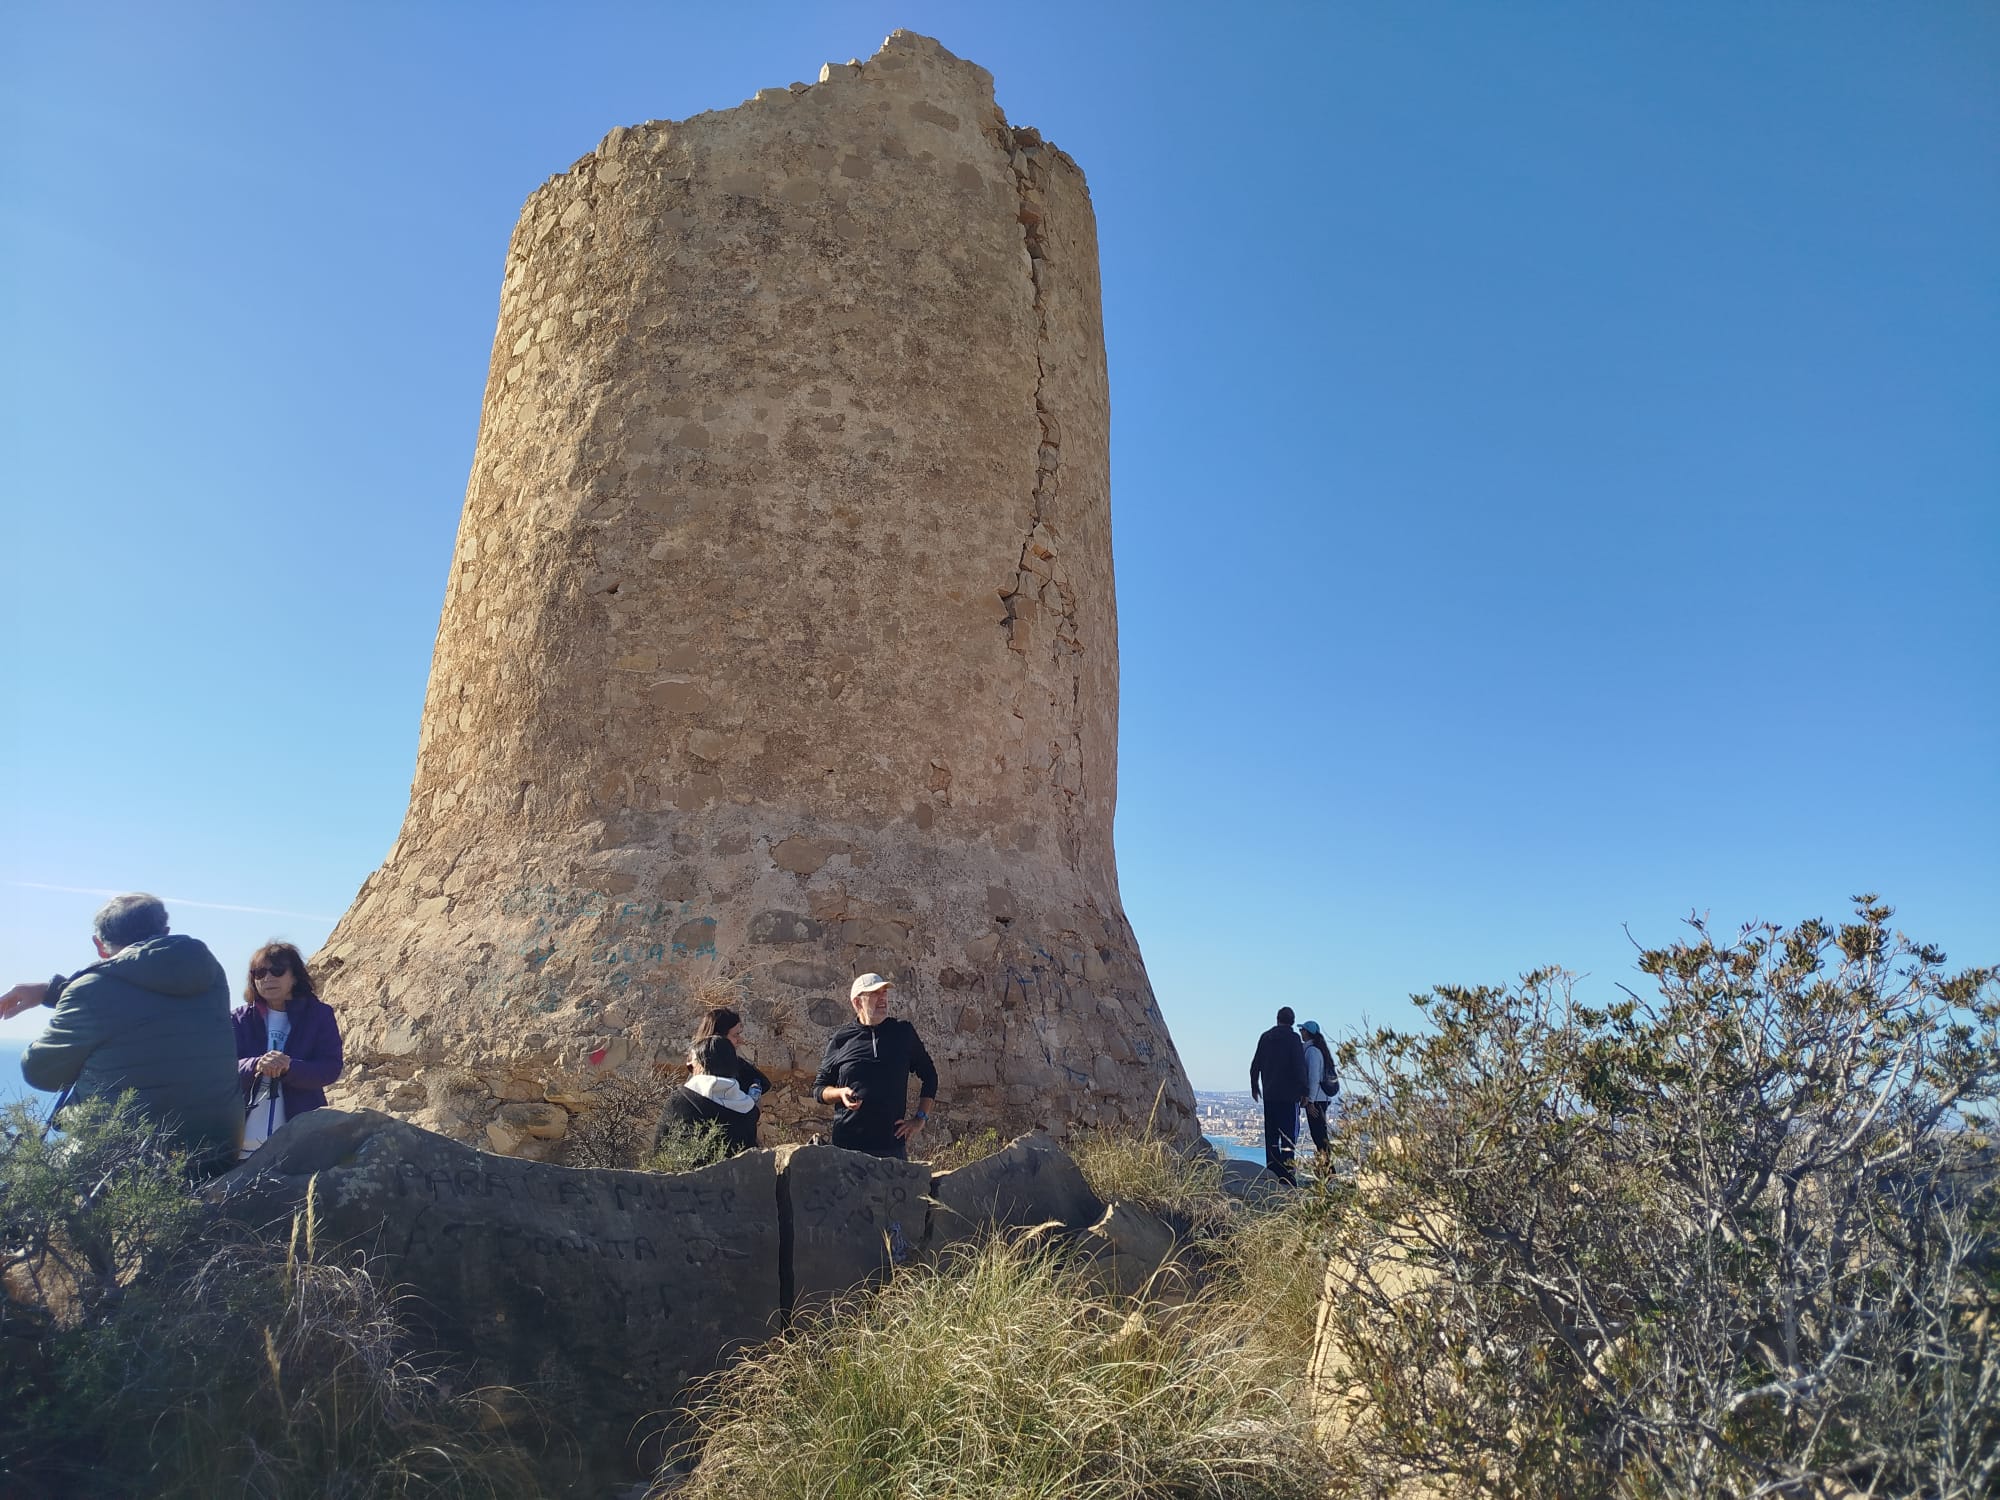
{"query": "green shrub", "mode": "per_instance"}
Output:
(999, 1375)
(683, 1148)
(1733, 1238)
(85, 1213)
(154, 1354)
(87, 1209)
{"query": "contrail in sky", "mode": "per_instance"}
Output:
(255, 911)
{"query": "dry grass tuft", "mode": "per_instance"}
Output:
(1151, 1173)
(1000, 1374)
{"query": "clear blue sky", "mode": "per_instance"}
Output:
(1556, 465)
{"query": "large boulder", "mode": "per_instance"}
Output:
(615, 1288)
(1253, 1182)
(1031, 1181)
(1129, 1246)
(847, 1218)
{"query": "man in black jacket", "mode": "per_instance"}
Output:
(866, 1073)
(1278, 1077)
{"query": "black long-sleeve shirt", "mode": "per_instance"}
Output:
(1279, 1066)
(877, 1061)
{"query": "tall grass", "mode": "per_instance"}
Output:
(1270, 1269)
(282, 1377)
(1151, 1173)
(1000, 1374)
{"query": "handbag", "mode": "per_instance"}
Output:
(264, 1114)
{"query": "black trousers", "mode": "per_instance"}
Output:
(1281, 1135)
(1316, 1123)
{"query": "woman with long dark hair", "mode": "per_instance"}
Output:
(1322, 1083)
(287, 1043)
(713, 1098)
(725, 1023)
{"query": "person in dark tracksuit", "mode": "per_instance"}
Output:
(866, 1075)
(1278, 1077)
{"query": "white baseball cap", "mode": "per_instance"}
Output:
(866, 983)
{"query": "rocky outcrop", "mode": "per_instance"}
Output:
(1031, 1181)
(607, 1291)
(780, 640)
(1129, 1245)
(845, 1219)
(610, 1290)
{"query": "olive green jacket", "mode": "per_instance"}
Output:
(152, 1018)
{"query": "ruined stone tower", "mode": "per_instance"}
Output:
(779, 642)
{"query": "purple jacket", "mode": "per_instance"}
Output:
(314, 1049)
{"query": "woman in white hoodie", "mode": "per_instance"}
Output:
(713, 1096)
(1322, 1084)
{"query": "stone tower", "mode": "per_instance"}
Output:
(779, 643)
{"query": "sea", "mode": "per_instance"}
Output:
(11, 1087)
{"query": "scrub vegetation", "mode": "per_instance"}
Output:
(1735, 1236)
(1738, 1237)
(144, 1351)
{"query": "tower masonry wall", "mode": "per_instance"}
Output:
(780, 640)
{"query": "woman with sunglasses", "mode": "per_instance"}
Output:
(287, 1043)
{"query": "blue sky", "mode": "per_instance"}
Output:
(1556, 466)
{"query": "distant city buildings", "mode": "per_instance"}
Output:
(1239, 1120)
(1230, 1117)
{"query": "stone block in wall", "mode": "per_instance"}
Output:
(1030, 1181)
(619, 1286)
(848, 1217)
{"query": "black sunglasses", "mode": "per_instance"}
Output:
(278, 971)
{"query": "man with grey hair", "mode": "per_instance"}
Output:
(150, 1016)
